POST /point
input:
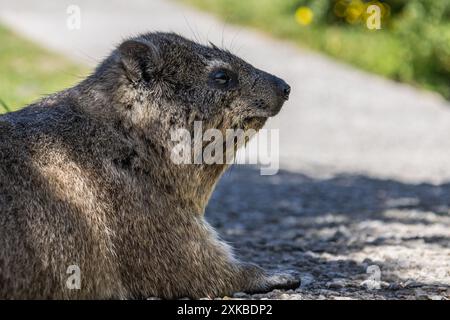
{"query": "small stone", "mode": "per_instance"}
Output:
(274, 294)
(336, 283)
(240, 295)
(259, 296)
(394, 286)
(436, 297)
(290, 291)
(284, 296)
(411, 284)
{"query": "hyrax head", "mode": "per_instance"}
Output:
(169, 77)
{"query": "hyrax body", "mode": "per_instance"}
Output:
(86, 177)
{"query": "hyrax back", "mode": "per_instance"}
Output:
(87, 180)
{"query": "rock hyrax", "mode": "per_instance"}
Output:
(86, 178)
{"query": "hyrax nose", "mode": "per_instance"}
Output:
(283, 89)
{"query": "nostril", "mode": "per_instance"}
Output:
(287, 91)
(283, 89)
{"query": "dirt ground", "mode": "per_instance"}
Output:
(346, 237)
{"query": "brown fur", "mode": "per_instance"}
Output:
(86, 179)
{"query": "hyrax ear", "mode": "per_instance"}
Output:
(139, 59)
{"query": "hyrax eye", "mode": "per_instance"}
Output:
(221, 78)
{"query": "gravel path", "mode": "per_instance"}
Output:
(331, 232)
(365, 160)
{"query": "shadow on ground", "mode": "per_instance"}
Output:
(330, 230)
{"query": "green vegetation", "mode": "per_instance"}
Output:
(413, 45)
(27, 72)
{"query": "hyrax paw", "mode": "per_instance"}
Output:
(285, 280)
(272, 281)
(257, 280)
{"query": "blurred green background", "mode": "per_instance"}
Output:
(27, 72)
(413, 45)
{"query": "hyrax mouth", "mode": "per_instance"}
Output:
(267, 109)
(254, 122)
